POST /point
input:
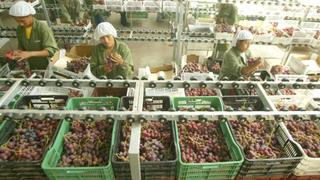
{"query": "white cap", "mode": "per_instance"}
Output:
(104, 29)
(242, 35)
(21, 9)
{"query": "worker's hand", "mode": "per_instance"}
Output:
(117, 58)
(258, 63)
(22, 55)
(107, 68)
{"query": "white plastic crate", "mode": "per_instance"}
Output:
(114, 5)
(224, 36)
(199, 76)
(87, 92)
(303, 37)
(263, 38)
(152, 6)
(308, 165)
(134, 6)
(282, 40)
(172, 92)
(290, 77)
(63, 73)
(169, 6)
(4, 70)
(300, 101)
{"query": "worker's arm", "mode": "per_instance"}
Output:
(21, 55)
(97, 68)
(231, 67)
(125, 69)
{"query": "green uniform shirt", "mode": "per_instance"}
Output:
(98, 61)
(228, 13)
(41, 38)
(232, 64)
(72, 10)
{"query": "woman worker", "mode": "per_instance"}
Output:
(234, 62)
(110, 57)
(35, 39)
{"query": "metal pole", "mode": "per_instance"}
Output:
(43, 4)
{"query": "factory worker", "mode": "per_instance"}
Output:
(228, 14)
(36, 43)
(73, 11)
(110, 57)
(234, 62)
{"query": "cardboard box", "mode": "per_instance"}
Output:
(77, 51)
(192, 58)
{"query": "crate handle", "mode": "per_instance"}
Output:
(75, 172)
(273, 163)
(210, 167)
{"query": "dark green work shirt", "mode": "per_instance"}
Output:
(228, 13)
(41, 38)
(232, 64)
(98, 61)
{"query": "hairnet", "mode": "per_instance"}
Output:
(104, 29)
(21, 9)
(242, 35)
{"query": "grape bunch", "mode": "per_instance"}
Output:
(223, 27)
(257, 138)
(307, 134)
(109, 64)
(155, 143)
(87, 144)
(202, 142)
(287, 91)
(24, 66)
(251, 60)
(278, 69)
(200, 92)
(216, 68)
(78, 65)
(75, 93)
(286, 107)
(29, 140)
(194, 67)
(196, 109)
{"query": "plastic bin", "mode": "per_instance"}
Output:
(240, 92)
(198, 102)
(308, 166)
(37, 102)
(242, 103)
(49, 164)
(271, 167)
(151, 103)
(293, 102)
(212, 171)
(115, 92)
(23, 169)
(94, 103)
(149, 170)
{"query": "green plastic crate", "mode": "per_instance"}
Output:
(137, 15)
(49, 164)
(212, 171)
(94, 103)
(198, 102)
